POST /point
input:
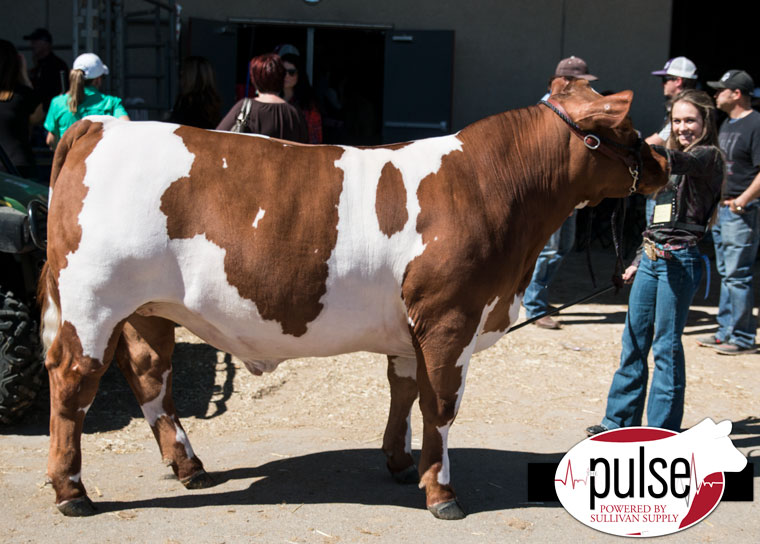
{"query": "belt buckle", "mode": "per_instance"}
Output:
(650, 250)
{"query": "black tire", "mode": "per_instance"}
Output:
(21, 361)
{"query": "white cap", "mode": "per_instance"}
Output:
(91, 65)
(678, 67)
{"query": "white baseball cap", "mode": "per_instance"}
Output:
(91, 65)
(678, 67)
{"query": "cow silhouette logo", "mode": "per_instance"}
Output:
(645, 481)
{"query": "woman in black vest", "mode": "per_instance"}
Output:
(668, 273)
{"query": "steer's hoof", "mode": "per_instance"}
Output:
(199, 480)
(447, 510)
(81, 506)
(409, 475)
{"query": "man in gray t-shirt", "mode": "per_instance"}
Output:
(736, 233)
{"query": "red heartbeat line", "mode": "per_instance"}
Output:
(692, 477)
(573, 481)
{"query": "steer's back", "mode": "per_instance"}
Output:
(264, 248)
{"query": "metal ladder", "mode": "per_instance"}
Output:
(141, 49)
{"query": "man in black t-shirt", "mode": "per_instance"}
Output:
(50, 74)
(737, 232)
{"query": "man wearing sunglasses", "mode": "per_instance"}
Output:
(678, 74)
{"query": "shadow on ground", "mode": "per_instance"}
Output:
(359, 476)
(115, 405)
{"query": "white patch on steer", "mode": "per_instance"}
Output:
(488, 339)
(582, 205)
(258, 218)
(224, 162)
(154, 409)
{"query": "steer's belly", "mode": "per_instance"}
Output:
(248, 337)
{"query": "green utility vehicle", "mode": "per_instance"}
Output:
(23, 215)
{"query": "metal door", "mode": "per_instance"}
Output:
(217, 41)
(417, 90)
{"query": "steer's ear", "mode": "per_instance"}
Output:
(606, 111)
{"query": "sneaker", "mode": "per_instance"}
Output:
(726, 348)
(710, 341)
(595, 429)
(548, 323)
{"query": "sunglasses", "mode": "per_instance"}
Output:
(665, 79)
(291, 71)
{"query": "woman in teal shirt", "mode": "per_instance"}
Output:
(83, 98)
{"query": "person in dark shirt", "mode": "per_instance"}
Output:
(669, 273)
(736, 233)
(49, 74)
(270, 114)
(19, 107)
(198, 103)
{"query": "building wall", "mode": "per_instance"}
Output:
(505, 51)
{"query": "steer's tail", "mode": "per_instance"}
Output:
(49, 303)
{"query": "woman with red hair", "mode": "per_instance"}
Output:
(270, 114)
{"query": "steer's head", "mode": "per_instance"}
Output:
(611, 166)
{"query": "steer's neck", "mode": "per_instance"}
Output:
(523, 166)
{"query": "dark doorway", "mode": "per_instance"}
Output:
(347, 75)
(716, 39)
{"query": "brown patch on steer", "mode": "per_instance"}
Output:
(69, 190)
(390, 201)
(281, 264)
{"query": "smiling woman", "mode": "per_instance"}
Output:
(668, 272)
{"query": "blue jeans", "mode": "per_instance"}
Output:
(536, 297)
(736, 240)
(657, 310)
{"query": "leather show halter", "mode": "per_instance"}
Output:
(630, 155)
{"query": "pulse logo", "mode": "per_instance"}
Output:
(644, 481)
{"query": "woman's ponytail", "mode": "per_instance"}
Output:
(76, 89)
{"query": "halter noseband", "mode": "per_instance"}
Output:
(630, 155)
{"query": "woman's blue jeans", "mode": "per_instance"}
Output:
(658, 306)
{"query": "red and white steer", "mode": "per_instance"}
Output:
(270, 250)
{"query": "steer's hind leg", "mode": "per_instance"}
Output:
(74, 380)
(144, 354)
(397, 441)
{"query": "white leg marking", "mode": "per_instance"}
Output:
(408, 440)
(183, 439)
(444, 476)
(51, 321)
(154, 409)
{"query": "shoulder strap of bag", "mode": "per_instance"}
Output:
(241, 121)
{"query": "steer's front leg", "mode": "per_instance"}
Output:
(445, 354)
